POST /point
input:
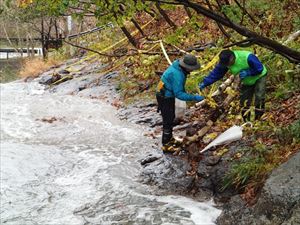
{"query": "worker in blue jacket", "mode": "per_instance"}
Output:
(253, 77)
(171, 86)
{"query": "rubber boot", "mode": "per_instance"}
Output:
(166, 136)
(176, 142)
(168, 145)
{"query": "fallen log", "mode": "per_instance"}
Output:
(199, 134)
(215, 114)
(220, 90)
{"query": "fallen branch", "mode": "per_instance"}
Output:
(220, 90)
(181, 127)
(292, 37)
(291, 54)
(88, 49)
(199, 134)
(216, 113)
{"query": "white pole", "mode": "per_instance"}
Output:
(69, 21)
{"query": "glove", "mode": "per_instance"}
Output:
(201, 86)
(243, 74)
(198, 98)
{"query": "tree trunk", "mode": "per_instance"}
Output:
(164, 15)
(27, 46)
(20, 40)
(32, 47)
(43, 40)
(138, 26)
(56, 29)
(129, 36)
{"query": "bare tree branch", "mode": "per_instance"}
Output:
(88, 49)
(291, 54)
(219, 25)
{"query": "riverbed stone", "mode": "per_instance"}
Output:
(212, 160)
(141, 112)
(169, 173)
(203, 170)
(48, 79)
(150, 158)
(74, 86)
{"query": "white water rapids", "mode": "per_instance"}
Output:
(67, 160)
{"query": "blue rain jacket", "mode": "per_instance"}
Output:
(255, 67)
(174, 79)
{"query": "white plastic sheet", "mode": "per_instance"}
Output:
(234, 133)
(180, 107)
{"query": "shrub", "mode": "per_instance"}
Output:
(286, 134)
(33, 67)
(249, 169)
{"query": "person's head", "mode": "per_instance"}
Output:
(226, 58)
(189, 63)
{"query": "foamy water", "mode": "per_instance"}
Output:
(69, 160)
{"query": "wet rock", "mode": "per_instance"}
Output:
(52, 75)
(49, 79)
(75, 85)
(86, 209)
(141, 113)
(204, 184)
(212, 169)
(63, 72)
(193, 150)
(218, 174)
(204, 170)
(281, 191)
(150, 158)
(212, 160)
(168, 173)
(209, 177)
(62, 79)
(278, 202)
(46, 79)
(235, 207)
(295, 216)
(110, 75)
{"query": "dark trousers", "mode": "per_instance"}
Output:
(167, 108)
(258, 90)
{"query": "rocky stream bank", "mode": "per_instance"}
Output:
(279, 200)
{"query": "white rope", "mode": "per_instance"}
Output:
(164, 51)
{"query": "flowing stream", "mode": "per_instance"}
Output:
(67, 160)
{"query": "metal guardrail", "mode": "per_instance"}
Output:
(8, 53)
(23, 50)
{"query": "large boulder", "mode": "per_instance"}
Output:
(278, 203)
